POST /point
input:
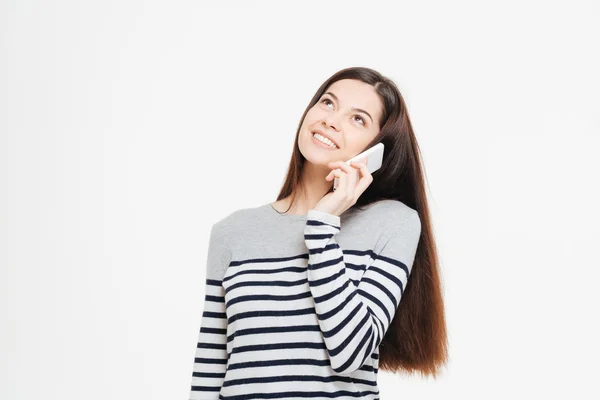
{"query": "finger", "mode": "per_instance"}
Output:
(352, 177)
(345, 184)
(364, 181)
(342, 187)
(329, 176)
(357, 164)
(336, 173)
(341, 165)
(364, 171)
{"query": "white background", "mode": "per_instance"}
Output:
(128, 128)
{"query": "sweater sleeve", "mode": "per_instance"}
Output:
(353, 320)
(210, 362)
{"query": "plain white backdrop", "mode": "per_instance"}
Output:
(129, 127)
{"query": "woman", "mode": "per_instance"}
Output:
(303, 294)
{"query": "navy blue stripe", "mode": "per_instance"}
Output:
(322, 249)
(275, 329)
(210, 360)
(369, 348)
(378, 320)
(299, 378)
(394, 262)
(318, 236)
(266, 271)
(210, 314)
(375, 300)
(267, 259)
(257, 297)
(271, 313)
(213, 346)
(215, 299)
(325, 264)
(324, 281)
(217, 331)
(279, 283)
(279, 346)
(272, 363)
(384, 289)
(209, 375)
(314, 222)
(334, 293)
(206, 388)
(391, 277)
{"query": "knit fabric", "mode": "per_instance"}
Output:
(296, 305)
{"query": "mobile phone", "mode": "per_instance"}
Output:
(374, 159)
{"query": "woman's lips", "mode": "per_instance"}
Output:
(326, 146)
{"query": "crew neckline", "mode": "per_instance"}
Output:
(296, 217)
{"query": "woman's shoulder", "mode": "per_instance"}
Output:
(387, 214)
(387, 209)
(239, 218)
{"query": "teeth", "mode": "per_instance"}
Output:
(323, 139)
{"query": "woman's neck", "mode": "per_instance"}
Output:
(309, 192)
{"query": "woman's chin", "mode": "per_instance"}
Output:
(319, 156)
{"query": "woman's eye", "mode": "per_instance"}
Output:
(361, 118)
(325, 101)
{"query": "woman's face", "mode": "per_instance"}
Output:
(348, 114)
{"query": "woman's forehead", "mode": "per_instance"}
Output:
(356, 94)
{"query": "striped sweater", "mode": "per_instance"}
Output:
(296, 305)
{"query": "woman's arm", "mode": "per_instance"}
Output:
(210, 362)
(354, 320)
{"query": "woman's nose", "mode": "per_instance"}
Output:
(332, 120)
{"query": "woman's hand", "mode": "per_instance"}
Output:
(353, 180)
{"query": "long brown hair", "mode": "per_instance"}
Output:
(416, 339)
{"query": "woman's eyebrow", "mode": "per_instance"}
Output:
(353, 108)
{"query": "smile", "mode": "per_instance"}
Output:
(323, 141)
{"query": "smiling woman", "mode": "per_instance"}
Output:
(297, 306)
(346, 116)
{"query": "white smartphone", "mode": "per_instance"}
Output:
(374, 159)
